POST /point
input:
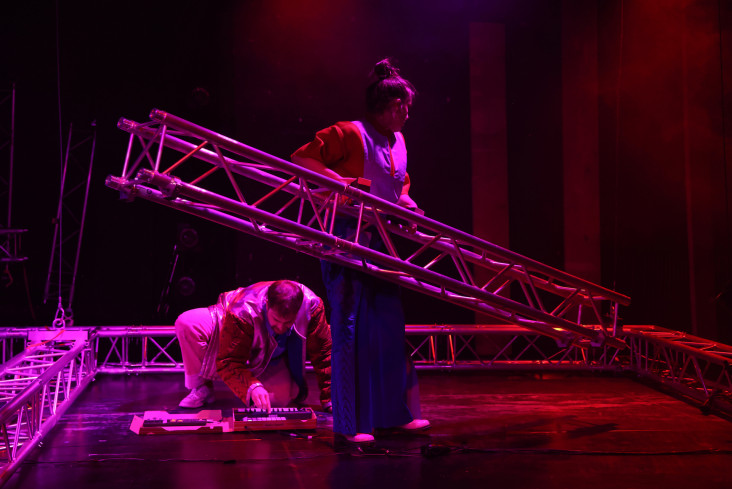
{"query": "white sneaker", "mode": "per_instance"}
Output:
(359, 438)
(198, 397)
(416, 425)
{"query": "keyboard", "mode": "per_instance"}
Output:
(255, 419)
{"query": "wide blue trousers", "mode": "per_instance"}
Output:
(369, 365)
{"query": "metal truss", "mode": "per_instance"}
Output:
(36, 387)
(155, 349)
(10, 244)
(12, 342)
(54, 366)
(69, 228)
(697, 368)
(455, 347)
(254, 192)
(127, 349)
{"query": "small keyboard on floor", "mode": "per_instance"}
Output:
(164, 422)
(173, 422)
(213, 421)
(254, 419)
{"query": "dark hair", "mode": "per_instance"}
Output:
(285, 297)
(387, 85)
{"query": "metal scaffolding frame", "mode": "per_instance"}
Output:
(694, 367)
(126, 349)
(52, 367)
(281, 202)
(37, 386)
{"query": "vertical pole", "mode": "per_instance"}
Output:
(83, 217)
(58, 231)
(12, 149)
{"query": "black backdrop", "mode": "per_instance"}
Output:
(271, 73)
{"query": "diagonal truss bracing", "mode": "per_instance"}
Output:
(168, 159)
(51, 368)
(36, 387)
(695, 367)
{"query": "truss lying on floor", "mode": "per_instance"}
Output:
(278, 201)
(691, 366)
(37, 386)
(50, 368)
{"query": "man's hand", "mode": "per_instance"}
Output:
(260, 397)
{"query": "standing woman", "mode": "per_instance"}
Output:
(371, 385)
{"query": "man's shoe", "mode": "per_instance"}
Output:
(198, 397)
(415, 425)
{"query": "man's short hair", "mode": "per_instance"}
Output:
(285, 296)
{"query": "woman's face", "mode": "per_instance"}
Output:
(397, 114)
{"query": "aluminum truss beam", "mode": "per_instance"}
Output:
(453, 347)
(12, 342)
(155, 349)
(694, 366)
(691, 365)
(44, 379)
(134, 349)
(697, 368)
(278, 201)
(36, 387)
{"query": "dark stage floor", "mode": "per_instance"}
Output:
(490, 429)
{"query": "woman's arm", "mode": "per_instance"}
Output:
(318, 167)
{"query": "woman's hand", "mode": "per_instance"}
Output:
(406, 201)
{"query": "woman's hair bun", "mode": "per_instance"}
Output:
(385, 69)
(386, 85)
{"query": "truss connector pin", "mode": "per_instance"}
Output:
(343, 244)
(710, 405)
(127, 191)
(157, 114)
(565, 341)
(172, 189)
(599, 339)
(125, 124)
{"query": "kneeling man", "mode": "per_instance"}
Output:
(257, 339)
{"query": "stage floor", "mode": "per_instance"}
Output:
(490, 429)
